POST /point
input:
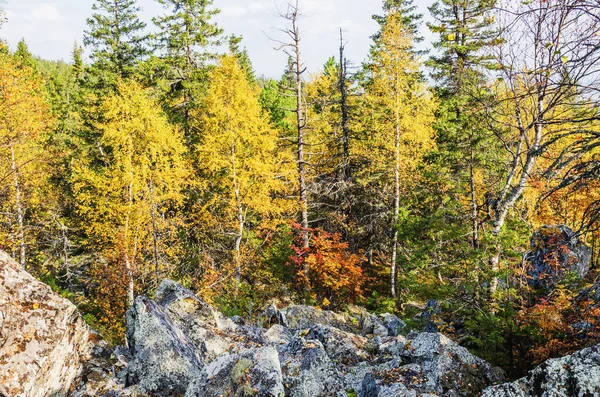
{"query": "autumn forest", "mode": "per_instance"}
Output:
(417, 176)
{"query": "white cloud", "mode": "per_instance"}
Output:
(46, 12)
(258, 6)
(233, 11)
(309, 7)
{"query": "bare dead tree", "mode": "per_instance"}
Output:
(343, 84)
(291, 47)
(549, 64)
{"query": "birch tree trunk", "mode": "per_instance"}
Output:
(19, 207)
(394, 259)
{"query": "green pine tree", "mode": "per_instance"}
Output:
(411, 18)
(22, 56)
(242, 56)
(77, 61)
(116, 39)
(186, 40)
(466, 148)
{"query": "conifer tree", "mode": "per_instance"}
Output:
(77, 61)
(116, 38)
(187, 40)
(400, 127)
(242, 56)
(466, 36)
(243, 174)
(411, 19)
(23, 56)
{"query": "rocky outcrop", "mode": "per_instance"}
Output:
(46, 348)
(179, 346)
(556, 250)
(164, 359)
(356, 319)
(576, 375)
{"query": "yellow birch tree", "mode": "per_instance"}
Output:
(128, 194)
(400, 115)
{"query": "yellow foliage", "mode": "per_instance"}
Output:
(243, 174)
(399, 105)
(126, 193)
(24, 117)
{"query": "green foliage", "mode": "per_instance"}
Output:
(116, 38)
(185, 42)
(180, 163)
(378, 303)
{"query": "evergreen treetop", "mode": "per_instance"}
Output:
(116, 37)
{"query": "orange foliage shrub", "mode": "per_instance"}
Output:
(560, 324)
(334, 276)
(109, 300)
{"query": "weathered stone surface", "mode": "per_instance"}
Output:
(164, 359)
(376, 387)
(179, 345)
(392, 323)
(272, 315)
(278, 334)
(303, 317)
(44, 342)
(554, 251)
(252, 372)
(201, 324)
(423, 363)
(448, 369)
(308, 371)
(343, 347)
(431, 316)
(576, 375)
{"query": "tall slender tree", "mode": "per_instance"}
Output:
(401, 123)
(187, 39)
(466, 37)
(239, 154)
(292, 48)
(116, 38)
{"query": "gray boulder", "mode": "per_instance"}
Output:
(447, 368)
(252, 372)
(342, 347)
(356, 320)
(576, 375)
(423, 364)
(272, 315)
(45, 346)
(431, 316)
(373, 386)
(554, 251)
(208, 330)
(308, 371)
(392, 323)
(164, 359)
(278, 334)
(303, 317)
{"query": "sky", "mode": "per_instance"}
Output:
(51, 27)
